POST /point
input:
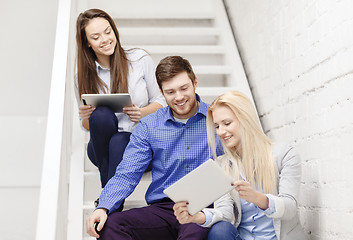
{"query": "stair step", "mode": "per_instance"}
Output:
(89, 238)
(169, 36)
(155, 8)
(182, 49)
(209, 94)
(171, 31)
(166, 23)
(93, 189)
(212, 69)
(213, 91)
(167, 15)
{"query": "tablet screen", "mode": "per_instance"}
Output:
(115, 101)
(201, 187)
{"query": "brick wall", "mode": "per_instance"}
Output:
(298, 56)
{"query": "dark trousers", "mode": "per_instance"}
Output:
(154, 222)
(106, 146)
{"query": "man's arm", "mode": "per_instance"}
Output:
(136, 159)
(137, 156)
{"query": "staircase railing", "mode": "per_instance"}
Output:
(52, 213)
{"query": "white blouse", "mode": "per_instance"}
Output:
(142, 84)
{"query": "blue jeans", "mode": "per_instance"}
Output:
(107, 145)
(223, 231)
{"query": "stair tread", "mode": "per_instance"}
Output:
(213, 91)
(163, 15)
(163, 31)
(182, 49)
(212, 69)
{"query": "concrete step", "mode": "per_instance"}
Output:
(208, 94)
(200, 59)
(212, 69)
(169, 36)
(122, 9)
(181, 49)
(213, 91)
(169, 31)
(92, 188)
(165, 22)
(135, 200)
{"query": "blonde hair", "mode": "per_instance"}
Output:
(256, 162)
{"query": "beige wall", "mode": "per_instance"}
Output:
(298, 57)
(26, 46)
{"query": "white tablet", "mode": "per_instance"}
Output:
(201, 187)
(115, 101)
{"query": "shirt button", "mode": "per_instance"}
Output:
(187, 127)
(187, 148)
(187, 166)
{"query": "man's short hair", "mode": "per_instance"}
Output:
(171, 66)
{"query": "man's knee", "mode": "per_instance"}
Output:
(116, 223)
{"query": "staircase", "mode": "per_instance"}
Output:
(197, 30)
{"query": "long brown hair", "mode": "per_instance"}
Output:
(88, 80)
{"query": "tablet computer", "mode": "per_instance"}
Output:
(201, 187)
(115, 101)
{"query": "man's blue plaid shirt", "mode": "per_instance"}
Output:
(174, 148)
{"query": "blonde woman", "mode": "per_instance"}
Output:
(267, 178)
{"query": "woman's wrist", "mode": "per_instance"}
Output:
(261, 201)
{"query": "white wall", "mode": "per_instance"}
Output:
(298, 56)
(26, 47)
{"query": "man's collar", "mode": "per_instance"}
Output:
(202, 109)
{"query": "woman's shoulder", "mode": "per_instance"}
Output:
(283, 151)
(135, 54)
(223, 160)
(281, 146)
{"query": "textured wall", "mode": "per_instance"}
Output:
(298, 56)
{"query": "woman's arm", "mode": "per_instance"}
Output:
(284, 204)
(135, 113)
(249, 194)
(85, 112)
(289, 165)
(225, 209)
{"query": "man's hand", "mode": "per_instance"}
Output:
(98, 216)
(183, 216)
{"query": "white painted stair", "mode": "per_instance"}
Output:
(199, 31)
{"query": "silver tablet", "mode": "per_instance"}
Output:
(115, 101)
(201, 187)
